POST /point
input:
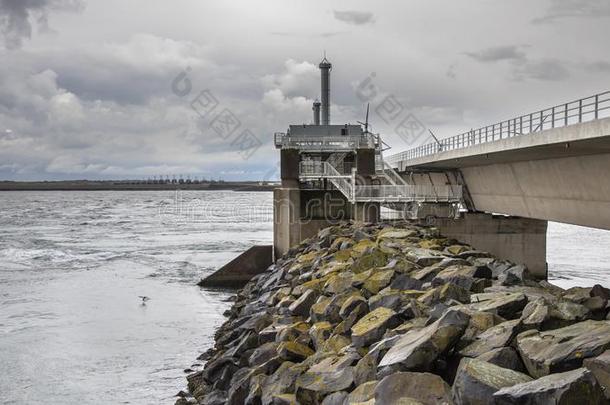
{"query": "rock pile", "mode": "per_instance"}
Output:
(397, 314)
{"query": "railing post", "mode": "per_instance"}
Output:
(596, 106)
(566, 115)
(531, 123)
(500, 129)
(580, 110)
(521, 124)
(553, 117)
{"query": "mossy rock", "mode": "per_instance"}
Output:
(396, 233)
(432, 244)
(369, 261)
(294, 351)
(378, 280)
(335, 343)
(308, 257)
(362, 247)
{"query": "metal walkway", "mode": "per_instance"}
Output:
(398, 191)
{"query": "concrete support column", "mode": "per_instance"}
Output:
(520, 240)
(365, 167)
(289, 168)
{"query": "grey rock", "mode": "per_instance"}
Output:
(600, 367)
(505, 357)
(336, 398)
(562, 349)
(574, 387)
(495, 337)
(542, 314)
(425, 388)
(476, 381)
(418, 349)
(516, 275)
(302, 305)
(506, 305)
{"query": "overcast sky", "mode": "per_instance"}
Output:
(89, 88)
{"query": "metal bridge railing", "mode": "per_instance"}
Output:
(325, 143)
(399, 193)
(573, 112)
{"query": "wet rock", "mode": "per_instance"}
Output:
(495, 337)
(571, 387)
(562, 349)
(600, 367)
(476, 381)
(407, 387)
(599, 291)
(418, 349)
(505, 357)
(373, 325)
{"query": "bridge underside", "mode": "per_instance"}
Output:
(558, 175)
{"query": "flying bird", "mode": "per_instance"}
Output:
(144, 299)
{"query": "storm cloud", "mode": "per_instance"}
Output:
(96, 99)
(18, 16)
(354, 17)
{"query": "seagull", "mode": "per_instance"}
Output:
(144, 299)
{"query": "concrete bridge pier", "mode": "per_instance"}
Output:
(520, 240)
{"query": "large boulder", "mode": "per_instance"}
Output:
(329, 375)
(600, 366)
(506, 305)
(373, 325)
(505, 357)
(543, 314)
(576, 387)
(495, 337)
(562, 349)
(476, 381)
(417, 349)
(413, 388)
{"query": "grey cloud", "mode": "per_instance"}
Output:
(599, 66)
(16, 17)
(354, 17)
(498, 53)
(545, 70)
(574, 8)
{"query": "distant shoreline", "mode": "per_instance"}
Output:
(85, 185)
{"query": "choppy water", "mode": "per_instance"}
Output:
(72, 265)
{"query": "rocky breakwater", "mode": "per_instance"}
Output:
(397, 314)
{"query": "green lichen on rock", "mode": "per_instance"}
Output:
(383, 314)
